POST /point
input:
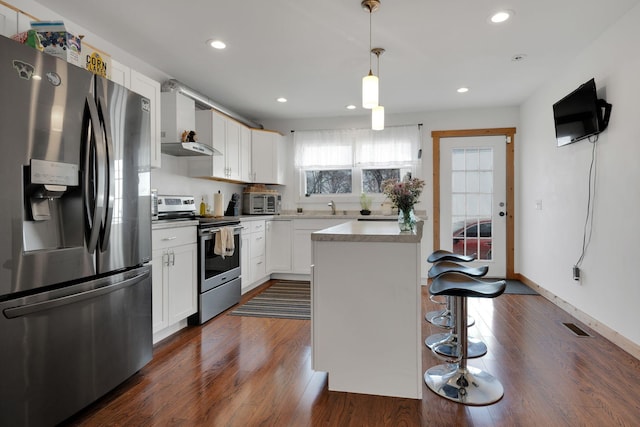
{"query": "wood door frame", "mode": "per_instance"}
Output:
(509, 133)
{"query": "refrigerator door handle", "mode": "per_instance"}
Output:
(27, 309)
(94, 174)
(108, 161)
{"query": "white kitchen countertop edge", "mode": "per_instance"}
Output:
(368, 231)
(162, 224)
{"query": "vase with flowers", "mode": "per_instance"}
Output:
(404, 195)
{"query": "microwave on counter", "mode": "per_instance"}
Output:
(261, 203)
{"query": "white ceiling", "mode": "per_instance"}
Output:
(315, 53)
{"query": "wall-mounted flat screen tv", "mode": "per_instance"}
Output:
(580, 114)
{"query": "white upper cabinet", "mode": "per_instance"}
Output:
(230, 138)
(178, 115)
(232, 153)
(13, 22)
(120, 74)
(267, 149)
(150, 89)
(245, 154)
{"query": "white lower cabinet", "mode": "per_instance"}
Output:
(252, 256)
(279, 243)
(174, 280)
(302, 229)
(302, 251)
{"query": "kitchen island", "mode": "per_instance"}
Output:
(366, 309)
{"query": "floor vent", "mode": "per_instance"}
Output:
(576, 330)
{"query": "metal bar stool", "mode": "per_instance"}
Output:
(466, 384)
(475, 347)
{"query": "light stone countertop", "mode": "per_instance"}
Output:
(347, 217)
(172, 223)
(369, 231)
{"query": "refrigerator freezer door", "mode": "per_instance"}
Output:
(42, 126)
(75, 344)
(126, 226)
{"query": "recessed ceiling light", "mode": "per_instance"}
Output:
(217, 44)
(351, 107)
(463, 89)
(283, 100)
(501, 16)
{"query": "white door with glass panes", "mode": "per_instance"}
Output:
(473, 211)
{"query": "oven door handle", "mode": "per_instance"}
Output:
(210, 231)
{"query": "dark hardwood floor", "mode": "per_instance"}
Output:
(243, 371)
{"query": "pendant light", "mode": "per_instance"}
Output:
(377, 118)
(377, 112)
(370, 81)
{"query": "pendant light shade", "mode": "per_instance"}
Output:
(369, 91)
(377, 118)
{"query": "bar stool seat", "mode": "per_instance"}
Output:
(447, 267)
(443, 262)
(444, 255)
(450, 266)
(466, 384)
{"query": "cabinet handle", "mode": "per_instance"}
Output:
(166, 239)
(259, 238)
(165, 258)
(172, 257)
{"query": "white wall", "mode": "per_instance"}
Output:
(172, 179)
(434, 120)
(550, 239)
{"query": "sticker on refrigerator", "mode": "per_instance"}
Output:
(54, 78)
(25, 70)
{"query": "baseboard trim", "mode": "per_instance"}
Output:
(606, 332)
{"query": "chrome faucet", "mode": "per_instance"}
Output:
(333, 207)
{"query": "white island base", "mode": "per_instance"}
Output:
(366, 310)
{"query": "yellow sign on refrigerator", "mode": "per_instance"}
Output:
(98, 63)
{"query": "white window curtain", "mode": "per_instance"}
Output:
(326, 149)
(393, 146)
(323, 149)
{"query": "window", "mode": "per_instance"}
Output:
(352, 161)
(328, 181)
(372, 178)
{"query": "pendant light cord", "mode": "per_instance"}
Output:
(370, 33)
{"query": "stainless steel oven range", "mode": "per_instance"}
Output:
(219, 285)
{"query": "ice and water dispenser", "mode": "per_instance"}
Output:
(53, 206)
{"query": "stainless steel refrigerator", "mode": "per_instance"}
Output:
(75, 236)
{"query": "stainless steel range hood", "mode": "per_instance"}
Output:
(188, 149)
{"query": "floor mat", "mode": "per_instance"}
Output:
(284, 300)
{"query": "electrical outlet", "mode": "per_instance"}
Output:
(576, 272)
